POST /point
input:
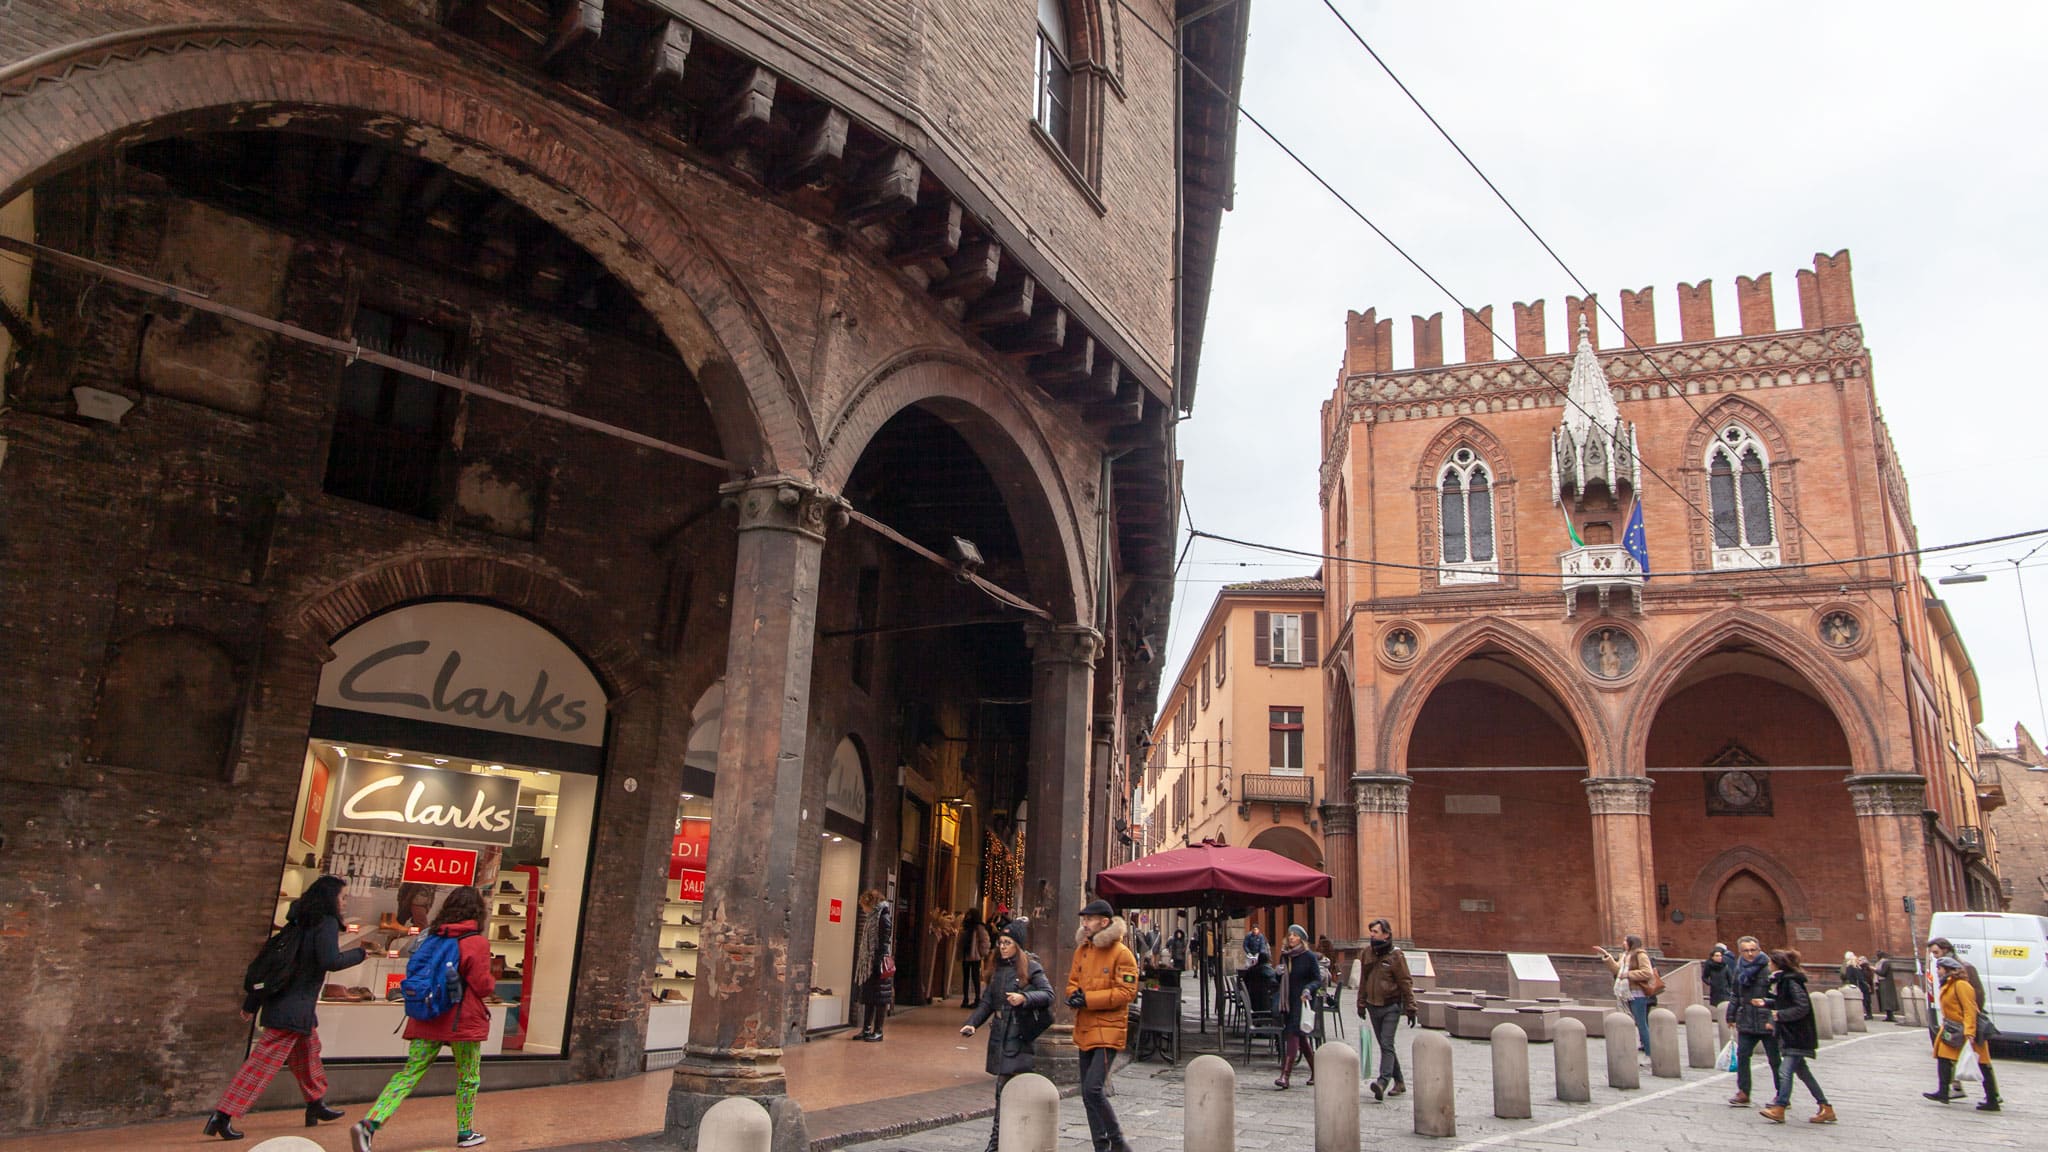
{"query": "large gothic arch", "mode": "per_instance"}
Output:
(126, 88)
(1797, 653)
(1003, 431)
(1551, 670)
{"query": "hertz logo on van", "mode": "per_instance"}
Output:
(2008, 952)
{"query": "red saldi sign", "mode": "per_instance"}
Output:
(316, 807)
(834, 913)
(425, 865)
(687, 852)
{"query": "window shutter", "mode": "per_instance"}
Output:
(1308, 639)
(1222, 654)
(1262, 638)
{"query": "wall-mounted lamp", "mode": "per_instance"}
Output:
(1663, 895)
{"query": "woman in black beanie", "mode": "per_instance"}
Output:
(1019, 999)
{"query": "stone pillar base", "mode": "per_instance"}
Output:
(1055, 1057)
(700, 1083)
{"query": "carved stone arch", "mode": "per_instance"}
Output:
(578, 616)
(1802, 655)
(1550, 669)
(1783, 469)
(585, 179)
(1004, 433)
(1723, 868)
(1341, 707)
(1428, 536)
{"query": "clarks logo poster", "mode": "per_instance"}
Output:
(467, 665)
(408, 800)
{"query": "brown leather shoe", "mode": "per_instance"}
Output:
(1739, 1100)
(1399, 1089)
(1774, 1113)
(1826, 1115)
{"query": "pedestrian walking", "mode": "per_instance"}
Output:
(1301, 974)
(1961, 1028)
(1177, 949)
(1938, 949)
(1255, 944)
(1101, 985)
(1636, 983)
(1888, 986)
(1386, 992)
(1752, 1016)
(1018, 999)
(462, 1028)
(974, 948)
(290, 1029)
(1798, 1038)
(1718, 973)
(874, 956)
(1856, 974)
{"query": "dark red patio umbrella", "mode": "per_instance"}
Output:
(1211, 876)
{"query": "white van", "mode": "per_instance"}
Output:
(2010, 953)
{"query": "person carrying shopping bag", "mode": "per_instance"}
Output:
(1301, 974)
(461, 952)
(1018, 998)
(1961, 1028)
(291, 1031)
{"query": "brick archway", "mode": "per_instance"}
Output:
(1007, 437)
(1549, 670)
(550, 600)
(74, 104)
(1778, 642)
(1715, 875)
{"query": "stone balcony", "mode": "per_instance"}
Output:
(1602, 569)
(1275, 788)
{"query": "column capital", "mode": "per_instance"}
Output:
(784, 503)
(1380, 792)
(1339, 819)
(1619, 795)
(1888, 793)
(1063, 643)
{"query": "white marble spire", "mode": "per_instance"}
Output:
(1592, 442)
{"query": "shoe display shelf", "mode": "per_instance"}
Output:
(675, 970)
(515, 904)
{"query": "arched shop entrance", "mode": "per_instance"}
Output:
(452, 744)
(843, 842)
(682, 913)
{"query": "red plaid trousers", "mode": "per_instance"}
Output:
(275, 1049)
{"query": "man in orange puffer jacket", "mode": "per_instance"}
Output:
(1100, 987)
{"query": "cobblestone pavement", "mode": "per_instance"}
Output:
(1873, 1079)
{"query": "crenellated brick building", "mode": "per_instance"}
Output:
(1766, 731)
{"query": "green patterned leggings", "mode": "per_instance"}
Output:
(468, 1075)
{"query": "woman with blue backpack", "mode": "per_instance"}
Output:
(445, 984)
(284, 985)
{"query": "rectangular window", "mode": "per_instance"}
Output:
(1221, 651)
(1284, 728)
(1205, 685)
(391, 429)
(1286, 638)
(1055, 90)
(1721, 498)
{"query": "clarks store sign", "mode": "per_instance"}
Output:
(470, 666)
(426, 803)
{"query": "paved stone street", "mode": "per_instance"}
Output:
(1873, 1079)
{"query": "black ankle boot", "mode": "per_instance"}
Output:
(222, 1125)
(317, 1110)
(1991, 1098)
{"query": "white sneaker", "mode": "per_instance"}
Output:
(469, 1139)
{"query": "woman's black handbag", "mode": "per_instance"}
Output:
(1952, 1033)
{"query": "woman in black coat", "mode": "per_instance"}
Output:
(291, 1032)
(1301, 973)
(875, 962)
(1718, 973)
(1017, 992)
(1798, 1037)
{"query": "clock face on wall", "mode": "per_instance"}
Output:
(1738, 792)
(1738, 789)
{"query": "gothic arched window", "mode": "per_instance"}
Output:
(1055, 96)
(1465, 502)
(1739, 500)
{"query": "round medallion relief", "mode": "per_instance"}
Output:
(1609, 653)
(1400, 645)
(1840, 629)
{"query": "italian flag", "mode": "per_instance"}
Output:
(1569, 530)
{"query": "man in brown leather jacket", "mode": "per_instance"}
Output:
(1385, 994)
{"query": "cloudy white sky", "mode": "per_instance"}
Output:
(1651, 143)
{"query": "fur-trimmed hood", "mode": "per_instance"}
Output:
(1114, 934)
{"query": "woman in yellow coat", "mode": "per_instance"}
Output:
(1959, 1026)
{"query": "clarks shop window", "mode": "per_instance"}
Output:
(452, 744)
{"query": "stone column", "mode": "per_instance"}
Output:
(1622, 863)
(1101, 800)
(1888, 821)
(1340, 856)
(1062, 703)
(1380, 831)
(744, 971)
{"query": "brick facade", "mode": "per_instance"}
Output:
(1565, 753)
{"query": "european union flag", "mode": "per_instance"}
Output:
(1636, 541)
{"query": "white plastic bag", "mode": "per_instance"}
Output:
(1725, 1059)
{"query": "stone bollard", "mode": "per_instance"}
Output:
(1701, 1040)
(1838, 1012)
(1568, 1053)
(1663, 1044)
(735, 1124)
(1030, 1111)
(1852, 1007)
(1434, 1089)
(1510, 1072)
(1823, 1018)
(287, 1144)
(1336, 1098)
(1620, 1031)
(1209, 1116)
